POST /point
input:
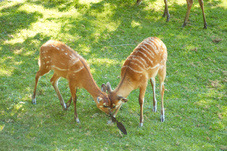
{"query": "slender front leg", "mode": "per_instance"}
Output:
(54, 81)
(152, 80)
(189, 5)
(141, 101)
(204, 18)
(73, 91)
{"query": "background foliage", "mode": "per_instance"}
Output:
(105, 32)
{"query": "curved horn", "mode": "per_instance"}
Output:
(103, 88)
(108, 87)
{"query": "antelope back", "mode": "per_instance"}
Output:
(150, 54)
(61, 58)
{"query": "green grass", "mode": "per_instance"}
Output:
(105, 32)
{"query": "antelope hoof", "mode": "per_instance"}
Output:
(65, 107)
(141, 124)
(155, 109)
(184, 25)
(109, 122)
(162, 118)
(34, 101)
(77, 119)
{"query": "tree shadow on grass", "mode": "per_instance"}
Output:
(13, 20)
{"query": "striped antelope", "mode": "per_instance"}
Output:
(146, 61)
(67, 63)
(189, 5)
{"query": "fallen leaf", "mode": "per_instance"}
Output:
(216, 40)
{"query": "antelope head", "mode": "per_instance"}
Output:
(116, 100)
(104, 103)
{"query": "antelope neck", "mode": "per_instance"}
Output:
(124, 88)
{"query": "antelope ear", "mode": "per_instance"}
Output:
(103, 87)
(124, 100)
(108, 87)
(99, 99)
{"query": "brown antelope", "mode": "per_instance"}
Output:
(189, 5)
(67, 63)
(146, 61)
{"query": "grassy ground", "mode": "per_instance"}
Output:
(105, 32)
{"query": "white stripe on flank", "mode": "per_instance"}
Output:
(131, 57)
(79, 69)
(132, 69)
(53, 66)
(137, 65)
(145, 62)
(146, 56)
(157, 65)
(135, 59)
(158, 43)
(150, 44)
(152, 40)
(156, 47)
(148, 51)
